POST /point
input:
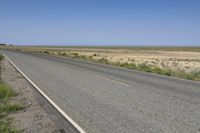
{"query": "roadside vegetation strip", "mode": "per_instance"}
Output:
(6, 93)
(194, 75)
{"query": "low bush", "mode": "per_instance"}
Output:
(103, 60)
(75, 55)
(144, 67)
(46, 52)
(63, 54)
(1, 57)
(6, 91)
(6, 128)
(6, 107)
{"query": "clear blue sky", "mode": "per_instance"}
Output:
(96, 22)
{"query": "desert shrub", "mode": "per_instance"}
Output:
(144, 67)
(6, 128)
(194, 75)
(83, 57)
(116, 63)
(64, 54)
(103, 60)
(167, 72)
(124, 65)
(75, 55)
(46, 52)
(1, 57)
(6, 107)
(6, 91)
(90, 57)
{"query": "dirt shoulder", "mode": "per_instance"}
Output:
(33, 118)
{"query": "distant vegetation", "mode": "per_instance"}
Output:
(3, 44)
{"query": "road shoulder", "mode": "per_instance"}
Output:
(33, 118)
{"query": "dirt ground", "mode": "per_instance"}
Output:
(182, 59)
(32, 119)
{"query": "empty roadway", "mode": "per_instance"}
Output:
(104, 99)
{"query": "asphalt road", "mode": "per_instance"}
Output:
(104, 99)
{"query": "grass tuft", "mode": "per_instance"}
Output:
(103, 60)
(6, 91)
(9, 108)
(6, 107)
(5, 127)
(1, 57)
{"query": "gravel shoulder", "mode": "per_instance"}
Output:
(33, 118)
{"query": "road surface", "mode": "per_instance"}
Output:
(104, 99)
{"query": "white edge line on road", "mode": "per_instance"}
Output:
(49, 100)
(112, 80)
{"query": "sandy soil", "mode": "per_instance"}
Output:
(32, 119)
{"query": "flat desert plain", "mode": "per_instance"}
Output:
(176, 58)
